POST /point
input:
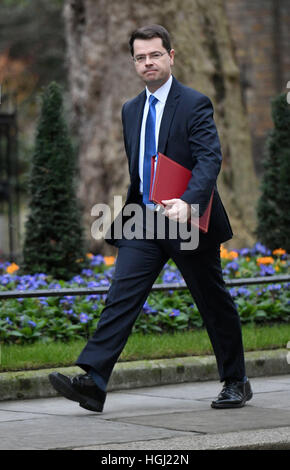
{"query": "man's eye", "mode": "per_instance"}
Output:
(156, 55)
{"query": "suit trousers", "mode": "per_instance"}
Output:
(138, 264)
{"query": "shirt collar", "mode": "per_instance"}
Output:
(162, 92)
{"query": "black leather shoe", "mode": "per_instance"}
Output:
(233, 395)
(80, 388)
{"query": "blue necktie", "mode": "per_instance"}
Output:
(150, 147)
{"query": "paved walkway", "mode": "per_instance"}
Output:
(167, 417)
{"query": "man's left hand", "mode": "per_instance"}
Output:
(177, 209)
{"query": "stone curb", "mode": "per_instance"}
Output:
(136, 374)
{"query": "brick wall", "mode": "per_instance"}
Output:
(260, 30)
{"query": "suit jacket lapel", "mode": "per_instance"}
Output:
(139, 107)
(168, 113)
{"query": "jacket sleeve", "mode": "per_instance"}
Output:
(206, 153)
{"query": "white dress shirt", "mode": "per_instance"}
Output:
(161, 94)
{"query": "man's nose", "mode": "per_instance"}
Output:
(148, 60)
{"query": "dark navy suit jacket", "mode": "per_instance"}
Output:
(187, 135)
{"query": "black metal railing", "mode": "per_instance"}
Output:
(14, 294)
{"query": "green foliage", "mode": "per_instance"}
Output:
(54, 238)
(273, 206)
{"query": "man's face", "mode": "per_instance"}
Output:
(153, 71)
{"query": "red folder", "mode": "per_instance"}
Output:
(169, 180)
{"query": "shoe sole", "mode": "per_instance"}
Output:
(232, 405)
(66, 390)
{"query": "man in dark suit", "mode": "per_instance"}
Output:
(177, 121)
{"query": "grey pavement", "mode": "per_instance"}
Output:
(163, 417)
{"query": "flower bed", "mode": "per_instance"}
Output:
(64, 318)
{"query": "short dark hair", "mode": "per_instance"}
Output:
(149, 32)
